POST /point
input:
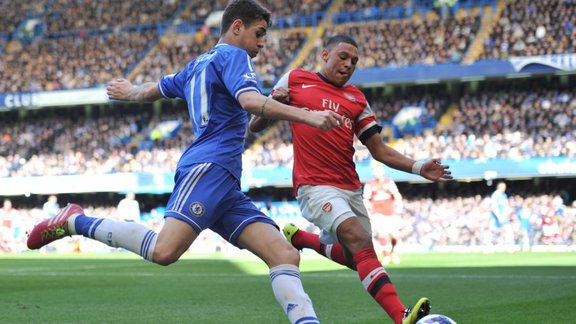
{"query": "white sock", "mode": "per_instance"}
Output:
(290, 294)
(131, 236)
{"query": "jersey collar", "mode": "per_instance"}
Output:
(326, 80)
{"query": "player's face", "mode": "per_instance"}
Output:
(339, 63)
(252, 37)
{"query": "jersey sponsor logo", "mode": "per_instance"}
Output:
(197, 209)
(329, 104)
(250, 77)
(327, 207)
(306, 86)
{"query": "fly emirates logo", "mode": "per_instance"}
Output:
(329, 104)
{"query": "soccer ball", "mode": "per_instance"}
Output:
(436, 319)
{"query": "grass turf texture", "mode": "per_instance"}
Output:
(120, 288)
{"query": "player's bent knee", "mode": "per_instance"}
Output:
(286, 255)
(293, 256)
(165, 258)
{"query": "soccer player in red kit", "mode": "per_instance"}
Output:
(385, 205)
(327, 186)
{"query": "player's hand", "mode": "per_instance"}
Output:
(282, 95)
(436, 171)
(119, 89)
(325, 120)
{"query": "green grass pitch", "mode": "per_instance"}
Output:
(120, 288)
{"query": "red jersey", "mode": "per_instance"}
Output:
(326, 158)
(548, 216)
(382, 194)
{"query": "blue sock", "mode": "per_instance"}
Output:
(86, 226)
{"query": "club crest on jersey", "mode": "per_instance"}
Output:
(327, 207)
(197, 209)
(350, 97)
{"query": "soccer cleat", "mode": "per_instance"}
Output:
(420, 309)
(54, 228)
(289, 231)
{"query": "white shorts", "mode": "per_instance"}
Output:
(327, 207)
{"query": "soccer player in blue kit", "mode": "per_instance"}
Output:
(220, 89)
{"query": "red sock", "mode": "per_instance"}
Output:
(334, 252)
(376, 281)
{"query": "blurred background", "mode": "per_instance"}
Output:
(487, 86)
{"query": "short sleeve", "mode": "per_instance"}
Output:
(283, 82)
(172, 85)
(238, 73)
(366, 125)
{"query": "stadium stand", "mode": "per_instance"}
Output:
(451, 219)
(523, 116)
(72, 62)
(428, 40)
(530, 28)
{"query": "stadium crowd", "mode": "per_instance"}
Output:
(104, 46)
(529, 28)
(110, 46)
(508, 123)
(119, 140)
(426, 224)
(499, 122)
(354, 6)
(82, 48)
(85, 47)
(68, 15)
(423, 40)
(172, 53)
(71, 62)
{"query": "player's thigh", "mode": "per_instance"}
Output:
(323, 205)
(266, 242)
(353, 236)
(174, 239)
(356, 202)
(326, 207)
(246, 227)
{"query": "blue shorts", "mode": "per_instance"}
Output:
(208, 196)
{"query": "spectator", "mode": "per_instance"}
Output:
(129, 208)
(51, 207)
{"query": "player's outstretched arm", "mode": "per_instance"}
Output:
(267, 108)
(122, 89)
(431, 169)
(257, 123)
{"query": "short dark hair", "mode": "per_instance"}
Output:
(248, 11)
(336, 39)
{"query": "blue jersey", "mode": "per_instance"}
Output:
(211, 84)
